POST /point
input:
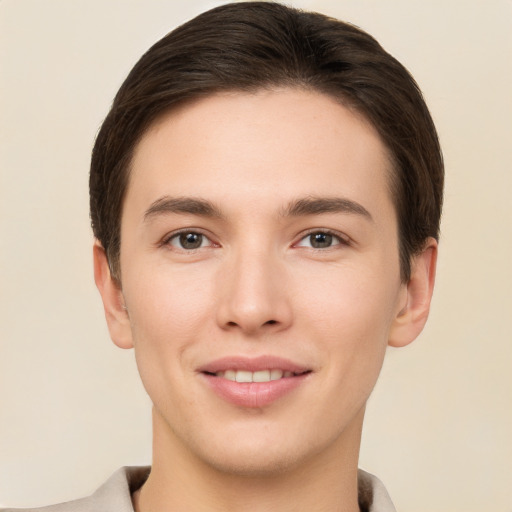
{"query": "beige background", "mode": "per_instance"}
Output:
(439, 424)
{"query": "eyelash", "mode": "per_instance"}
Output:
(341, 239)
(175, 235)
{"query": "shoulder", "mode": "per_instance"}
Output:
(114, 494)
(373, 496)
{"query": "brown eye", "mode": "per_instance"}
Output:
(321, 240)
(188, 241)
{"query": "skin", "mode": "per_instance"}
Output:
(257, 286)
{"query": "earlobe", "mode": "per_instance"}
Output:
(412, 317)
(118, 321)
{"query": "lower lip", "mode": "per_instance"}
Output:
(253, 394)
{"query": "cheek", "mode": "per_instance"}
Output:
(350, 298)
(165, 302)
(350, 313)
(168, 313)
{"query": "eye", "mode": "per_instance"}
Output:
(321, 240)
(188, 240)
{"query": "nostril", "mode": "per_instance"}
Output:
(244, 325)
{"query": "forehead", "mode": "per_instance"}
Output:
(267, 146)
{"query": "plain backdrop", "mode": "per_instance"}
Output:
(439, 424)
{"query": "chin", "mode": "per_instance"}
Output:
(251, 455)
(253, 463)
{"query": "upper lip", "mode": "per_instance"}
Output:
(253, 364)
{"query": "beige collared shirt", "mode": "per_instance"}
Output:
(115, 494)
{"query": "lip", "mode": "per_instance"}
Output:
(252, 364)
(253, 394)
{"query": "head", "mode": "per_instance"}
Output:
(260, 45)
(265, 193)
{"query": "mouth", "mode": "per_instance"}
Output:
(257, 376)
(254, 382)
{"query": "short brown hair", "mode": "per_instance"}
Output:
(251, 45)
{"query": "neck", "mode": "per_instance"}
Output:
(179, 480)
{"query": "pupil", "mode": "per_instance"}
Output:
(191, 240)
(321, 240)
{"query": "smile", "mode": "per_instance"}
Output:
(254, 382)
(258, 376)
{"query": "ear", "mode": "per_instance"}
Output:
(118, 321)
(411, 318)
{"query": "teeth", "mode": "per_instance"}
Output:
(259, 376)
(243, 376)
(276, 374)
(229, 374)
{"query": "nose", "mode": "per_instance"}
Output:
(253, 296)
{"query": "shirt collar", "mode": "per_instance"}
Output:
(117, 490)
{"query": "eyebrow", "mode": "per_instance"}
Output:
(298, 208)
(319, 205)
(183, 205)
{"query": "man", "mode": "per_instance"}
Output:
(265, 196)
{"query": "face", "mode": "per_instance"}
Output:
(260, 276)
